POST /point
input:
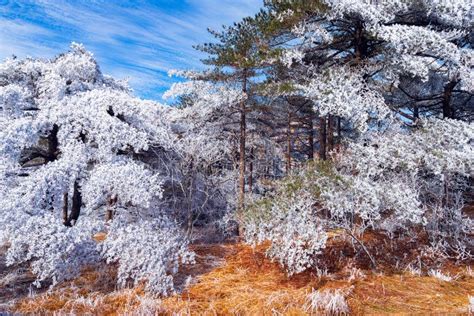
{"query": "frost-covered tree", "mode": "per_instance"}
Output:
(395, 182)
(353, 60)
(236, 57)
(72, 142)
(345, 62)
(207, 124)
(390, 44)
(76, 122)
(205, 148)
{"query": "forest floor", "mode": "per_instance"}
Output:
(236, 279)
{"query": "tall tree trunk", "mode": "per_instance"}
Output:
(53, 143)
(322, 138)
(242, 139)
(288, 144)
(76, 205)
(251, 170)
(360, 42)
(448, 111)
(65, 206)
(52, 155)
(330, 133)
(311, 139)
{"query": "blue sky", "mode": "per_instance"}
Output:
(140, 40)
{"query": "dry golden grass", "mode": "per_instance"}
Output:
(247, 283)
(403, 294)
(92, 293)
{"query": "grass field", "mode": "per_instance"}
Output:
(235, 279)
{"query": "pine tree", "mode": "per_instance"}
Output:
(236, 58)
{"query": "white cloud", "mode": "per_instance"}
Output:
(141, 40)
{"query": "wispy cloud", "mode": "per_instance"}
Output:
(140, 40)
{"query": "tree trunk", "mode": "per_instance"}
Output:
(52, 155)
(65, 206)
(251, 170)
(448, 92)
(330, 133)
(322, 138)
(109, 213)
(76, 205)
(360, 43)
(416, 113)
(53, 143)
(288, 144)
(242, 139)
(311, 139)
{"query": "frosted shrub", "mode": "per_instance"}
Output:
(355, 274)
(146, 251)
(413, 270)
(296, 237)
(420, 176)
(56, 252)
(440, 275)
(328, 302)
(289, 220)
